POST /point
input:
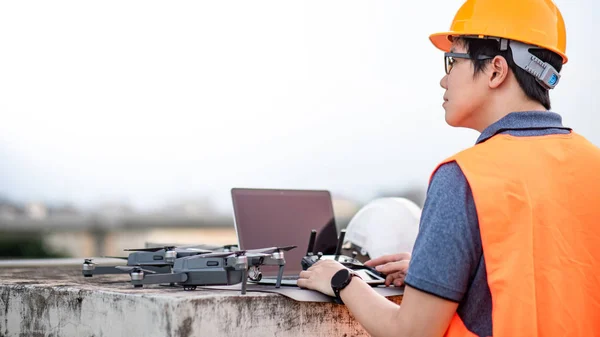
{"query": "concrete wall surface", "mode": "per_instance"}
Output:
(56, 301)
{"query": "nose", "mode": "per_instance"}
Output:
(444, 82)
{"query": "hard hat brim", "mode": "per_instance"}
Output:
(442, 41)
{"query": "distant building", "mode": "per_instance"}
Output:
(113, 210)
(8, 211)
(36, 210)
(199, 207)
(63, 210)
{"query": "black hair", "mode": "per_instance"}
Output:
(529, 85)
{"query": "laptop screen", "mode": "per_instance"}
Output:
(275, 218)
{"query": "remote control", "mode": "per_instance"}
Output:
(347, 261)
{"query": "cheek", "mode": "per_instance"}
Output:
(463, 102)
(455, 113)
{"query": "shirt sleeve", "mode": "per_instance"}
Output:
(448, 247)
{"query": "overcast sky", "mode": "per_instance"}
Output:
(147, 102)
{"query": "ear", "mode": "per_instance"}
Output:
(497, 72)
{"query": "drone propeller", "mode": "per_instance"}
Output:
(222, 254)
(153, 249)
(171, 248)
(272, 250)
(253, 254)
(194, 246)
(154, 264)
(134, 268)
(195, 250)
(115, 257)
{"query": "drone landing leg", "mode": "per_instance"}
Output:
(279, 277)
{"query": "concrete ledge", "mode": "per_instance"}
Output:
(58, 301)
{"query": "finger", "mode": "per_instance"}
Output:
(304, 274)
(392, 267)
(389, 280)
(388, 258)
(303, 282)
(398, 278)
(399, 282)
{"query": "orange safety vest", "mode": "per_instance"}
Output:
(538, 205)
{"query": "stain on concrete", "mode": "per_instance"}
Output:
(74, 304)
(167, 313)
(32, 334)
(185, 329)
(34, 310)
(5, 298)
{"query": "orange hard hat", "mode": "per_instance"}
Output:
(535, 22)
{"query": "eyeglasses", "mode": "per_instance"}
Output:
(449, 59)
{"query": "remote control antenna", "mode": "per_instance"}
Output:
(311, 243)
(338, 249)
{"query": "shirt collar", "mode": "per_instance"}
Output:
(522, 121)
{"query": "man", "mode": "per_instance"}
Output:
(509, 238)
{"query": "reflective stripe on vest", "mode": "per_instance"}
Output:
(538, 205)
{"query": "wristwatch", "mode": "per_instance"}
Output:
(340, 280)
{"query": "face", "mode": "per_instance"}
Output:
(465, 94)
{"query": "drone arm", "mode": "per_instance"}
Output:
(164, 278)
(108, 270)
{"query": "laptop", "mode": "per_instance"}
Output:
(279, 217)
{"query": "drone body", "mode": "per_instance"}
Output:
(193, 271)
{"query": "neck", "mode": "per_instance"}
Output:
(502, 106)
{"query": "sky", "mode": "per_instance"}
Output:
(150, 102)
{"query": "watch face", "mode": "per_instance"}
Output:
(340, 277)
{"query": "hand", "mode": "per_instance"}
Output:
(318, 276)
(393, 266)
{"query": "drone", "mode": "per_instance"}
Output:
(154, 259)
(215, 268)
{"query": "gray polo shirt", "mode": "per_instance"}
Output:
(447, 258)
